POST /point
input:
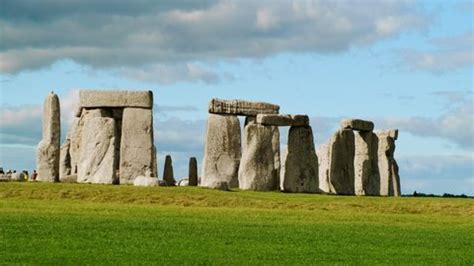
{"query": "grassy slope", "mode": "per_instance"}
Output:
(71, 223)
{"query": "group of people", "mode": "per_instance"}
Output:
(13, 175)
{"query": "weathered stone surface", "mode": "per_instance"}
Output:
(341, 162)
(282, 120)
(276, 153)
(18, 177)
(168, 175)
(193, 172)
(357, 124)
(137, 154)
(145, 181)
(388, 167)
(240, 107)
(154, 163)
(47, 157)
(222, 151)
(97, 153)
(392, 133)
(123, 99)
(323, 158)
(69, 179)
(300, 173)
(183, 183)
(65, 160)
(366, 170)
(224, 186)
(257, 166)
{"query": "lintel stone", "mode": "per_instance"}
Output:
(117, 99)
(357, 124)
(241, 107)
(283, 120)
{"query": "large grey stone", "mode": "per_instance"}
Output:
(168, 174)
(300, 171)
(282, 120)
(323, 158)
(366, 170)
(388, 167)
(276, 154)
(341, 162)
(193, 172)
(65, 160)
(183, 183)
(240, 107)
(257, 166)
(137, 153)
(97, 153)
(48, 150)
(222, 151)
(357, 124)
(145, 181)
(121, 99)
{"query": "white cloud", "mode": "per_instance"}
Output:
(170, 41)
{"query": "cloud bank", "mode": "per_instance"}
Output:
(163, 40)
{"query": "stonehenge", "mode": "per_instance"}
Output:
(111, 138)
(47, 155)
(111, 141)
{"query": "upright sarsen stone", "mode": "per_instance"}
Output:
(300, 171)
(222, 151)
(257, 166)
(97, 154)
(388, 167)
(323, 158)
(65, 160)
(137, 153)
(366, 170)
(341, 162)
(48, 151)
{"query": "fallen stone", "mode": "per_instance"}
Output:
(97, 153)
(47, 156)
(162, 183)
(341, 162)
(300, 173)
(257, 166)
(357, 124)
(224, 186)
(69, 179)
(116, 99)
(323, 158)
(388, 167)
(240, 107)
(366, 170)
(168, 175)
(145, 181)
(282, 120)
(222, 151)
(137, 153)
(193, 172)
(183, 183)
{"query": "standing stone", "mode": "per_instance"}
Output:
(97, 153)
(193, 172)
(300, 173)
(155, 163)
(136, 146)
(240, 107)
(222, 151)
(323, 158)
(47, 158)
(276, 154)
(341, 162)
(168, 175)
(388, 167)
(65, 160)
(366, 170)
(257, 166)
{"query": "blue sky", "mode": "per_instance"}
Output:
(402, 64)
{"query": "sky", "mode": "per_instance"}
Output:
(401, 64)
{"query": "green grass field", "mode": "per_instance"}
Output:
(97, 224)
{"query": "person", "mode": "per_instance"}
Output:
(25, 175)
(34, 175)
